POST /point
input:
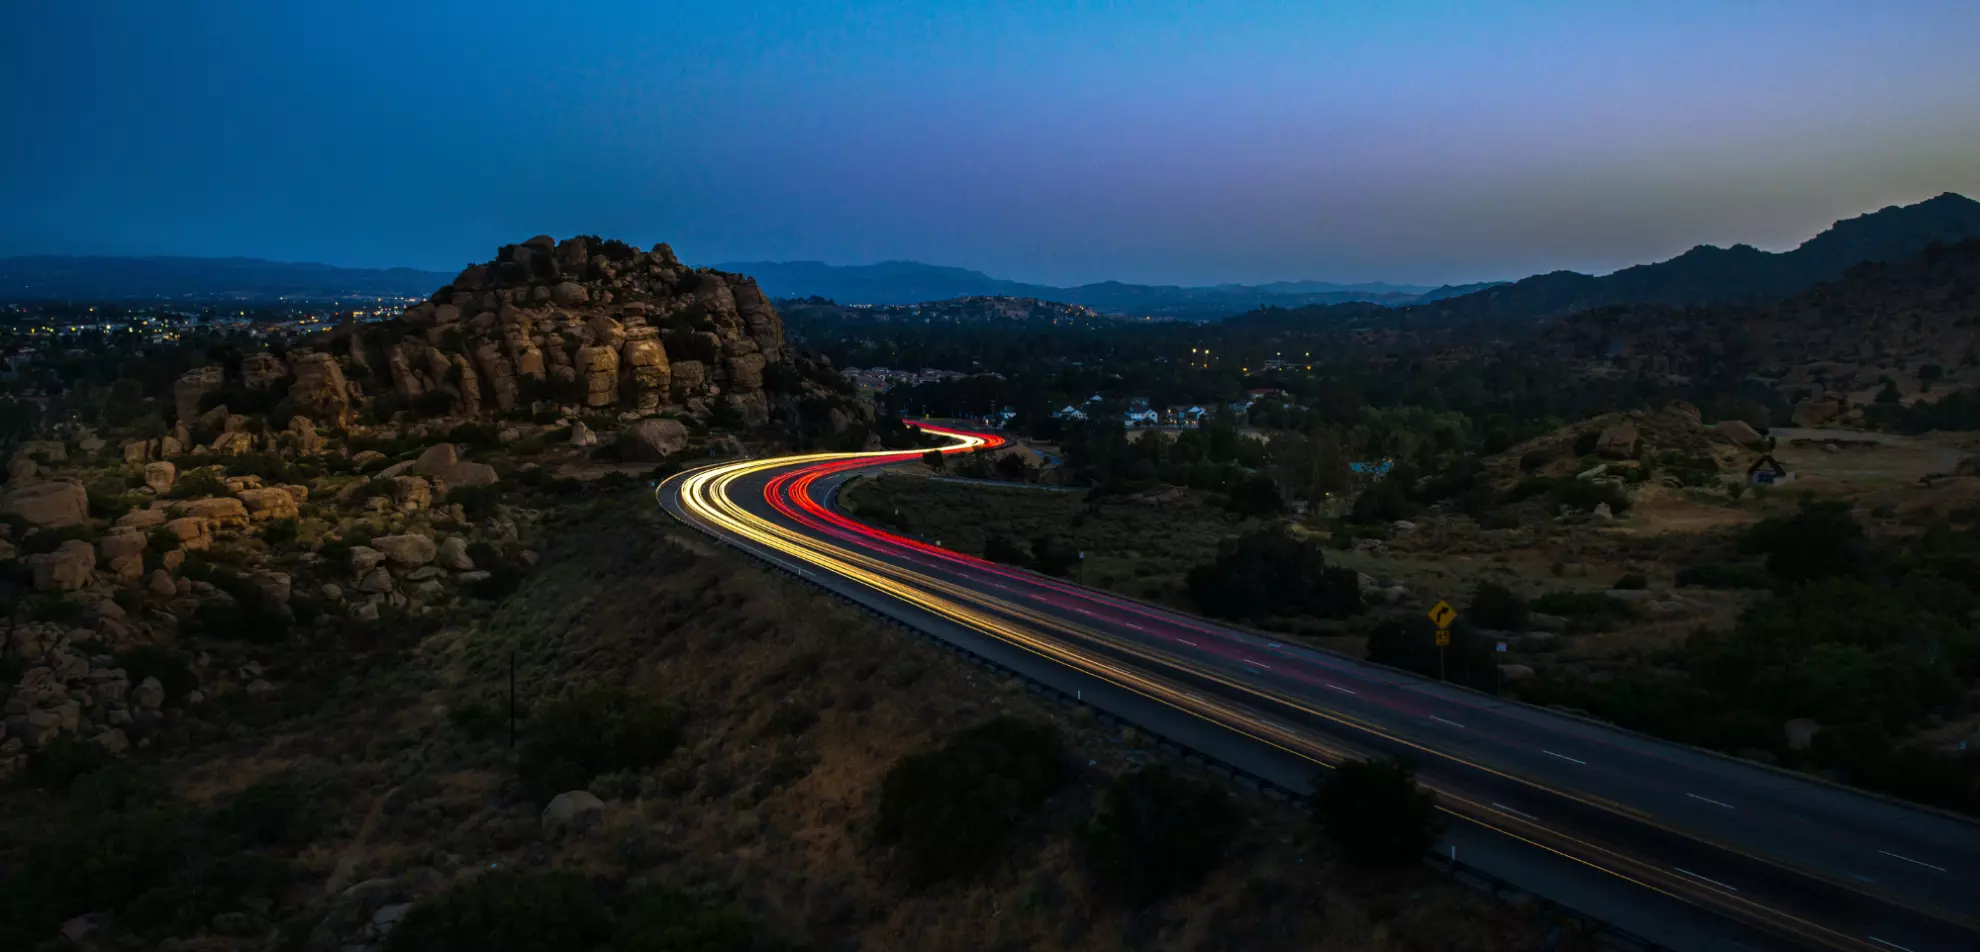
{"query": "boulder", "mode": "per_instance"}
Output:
(442, 462)
(411, 493)
(321, 389)
(1738, 431)
(67, 569)
(142, 519)
(261, 371)
(267, 505)
(652, 440)
(581, 435)
(21, 471)
(598, 368)
(160, 476)
(49, 505)
(1617, 442)
(570, 294)
(408, 549)
(193, 386)
(140, 451)
(378, 581)
(219, 510)
(194, 533)
(364, 558)
(453, 555)
(121, 542)
(1515, 672)
(572, 812)
(1801, 733)
(149, 695)
(161, 584)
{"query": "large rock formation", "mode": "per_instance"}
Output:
(49, 505)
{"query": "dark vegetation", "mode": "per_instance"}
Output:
(1156, 834)
(1375, 812)
(562, 911)
(1870, 641)
(569, 741)
(951, 811)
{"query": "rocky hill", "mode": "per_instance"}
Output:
(1911, 326)
(1711, 275)
(584, 325)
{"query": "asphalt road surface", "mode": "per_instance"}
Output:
(1676, 846)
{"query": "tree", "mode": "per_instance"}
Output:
(932, 459)
(1496, 606)
(1000, 548)
(948, 811)
(1053, 555)
(1375, 812)
(1257, 495)
(1266, 572)
(1156, 834)
(1819, 541)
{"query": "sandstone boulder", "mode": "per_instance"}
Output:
(267, 505)
(1738, 431)
(321, 389)
(652, 440)
(142, 519)
(581, 435)
(194, 533)
(572, 812)
(364, 558)
(160, 476)
(453, 555)
(122, 542)
(67, 569)
(193, 386)
(49, 505)
(1617, 442)
(261, 371)
(442, 462)
(408, 549)
(218, 510)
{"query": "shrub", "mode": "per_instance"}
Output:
(280, 532)
(663, 920)
(169, 667)
(950, 810)
(1410, 644)
(570, 741)
(1496, 606)
(197, 484)
(1585, 611)
(45, 541)
(1717, 575)
(1266, 572)
(1820, 540)
(1000, 548)
(933, 459)
(1633, 582)
(1257, 495)
(61, 761)
(508, 911)
(1156, 834)
(1374, 811)
(502, 581)
(269, 813)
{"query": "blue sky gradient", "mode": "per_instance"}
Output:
(1063, 143)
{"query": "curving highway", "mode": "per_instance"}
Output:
(1679, 847)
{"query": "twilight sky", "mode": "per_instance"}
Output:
(1150, 141)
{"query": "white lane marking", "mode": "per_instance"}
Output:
(1910, 860)
(1134, 626)
(1258, 663)
(1338, 688)
(1711, 801)
(1705, 878)
(1565, 757)
(1187, 642)
(1442, 721)
(1516, 813)
(1887, 942)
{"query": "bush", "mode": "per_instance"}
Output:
(1000, 548)
(45, 541)
(169, 667)
(269, 813)
(63, 760)
(197, 484)
(1382, 502)
(1819, 541)
(570, 741)
(1374, 811)
(950, 810)
(1053, 555)
(1496, 606)
(1585, 611)
(663, 920)
(1266, 573)
(1257, 495)
(502, 581)
(1156, 834)
(933, 459)
(1715, 575)
(508, 911)
(1632, 582)
(1410, 644)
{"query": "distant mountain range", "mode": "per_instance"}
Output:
(1712, 275)
(104, 278)
(911, 282)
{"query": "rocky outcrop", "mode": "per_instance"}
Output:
(66, 569)
(160, 476)
(262, 371)
(411, 549)
(1617, 442)
(265, 505)
(49, 505)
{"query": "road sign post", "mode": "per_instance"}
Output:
(1442, 614)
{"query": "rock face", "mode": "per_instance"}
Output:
(49, 505)
(160, 476)
(66, 569)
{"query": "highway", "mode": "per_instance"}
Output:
(1676, 846)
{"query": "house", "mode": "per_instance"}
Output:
(1194, 416)
(1069, 412)
(1141, 417)
(1372, 470)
